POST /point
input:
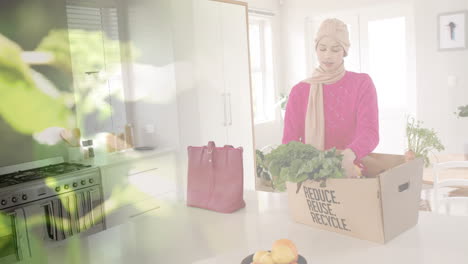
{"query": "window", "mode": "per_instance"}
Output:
(387, 64)
(93, 32)
(387, 57)
(261, 61)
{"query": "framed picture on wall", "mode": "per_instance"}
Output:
(452, 30)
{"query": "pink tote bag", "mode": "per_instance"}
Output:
(215, 178)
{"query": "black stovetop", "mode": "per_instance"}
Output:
(39, 173)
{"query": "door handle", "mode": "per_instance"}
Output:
(58, 219)
(17, 232)
(66, 217)
(224, 95)
(81, 212)
(403, 187)
(86, 204)
(230, 109)
(89, 209)
(50, 221)
(96, 206)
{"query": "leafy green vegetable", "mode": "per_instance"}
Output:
(422, 140)
(297, 162)
(261, 170)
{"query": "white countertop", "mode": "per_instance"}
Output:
(176, 234)
(108, 159)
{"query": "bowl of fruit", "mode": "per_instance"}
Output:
(283, 251)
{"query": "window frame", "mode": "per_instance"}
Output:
(263, 21)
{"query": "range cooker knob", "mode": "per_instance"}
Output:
(83, 182)
(75, 184)
(91, 180)
(3, 202)
(57, 189)
(66, 186)
(14, 199)
(24, 197)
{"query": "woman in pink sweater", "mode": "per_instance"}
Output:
(334, 107)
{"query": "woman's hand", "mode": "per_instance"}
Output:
(348, 163)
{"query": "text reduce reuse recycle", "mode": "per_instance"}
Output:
(320, 203)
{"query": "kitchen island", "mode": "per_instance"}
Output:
(176, 234)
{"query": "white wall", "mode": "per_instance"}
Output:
(436, 100)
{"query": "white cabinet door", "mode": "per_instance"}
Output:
(153, 177)
(237, 83)
(209, 71)
(236, 72)
(114, 181)
(223, 77)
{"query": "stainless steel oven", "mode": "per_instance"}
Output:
(54, 219)
(48, 209)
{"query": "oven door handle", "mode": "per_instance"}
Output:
(50, 221)
(20, 231)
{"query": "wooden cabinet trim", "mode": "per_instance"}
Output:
(232, 2)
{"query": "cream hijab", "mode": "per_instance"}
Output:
(315, 117)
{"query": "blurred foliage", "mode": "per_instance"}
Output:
(86, 49)
(95, 62)
(56, 42)
(22, 105)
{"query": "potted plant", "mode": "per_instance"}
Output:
(462, 111)
(282, 102)
(262, 172)
(421, 141)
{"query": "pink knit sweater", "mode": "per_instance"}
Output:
(351, 114)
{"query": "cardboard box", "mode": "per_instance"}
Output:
(377, 208)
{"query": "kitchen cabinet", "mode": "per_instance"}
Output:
(98, 74)
(155, 181)
(135, 186)
(222, 76)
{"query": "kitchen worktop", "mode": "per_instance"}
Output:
(177, 234)
(109, 159)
